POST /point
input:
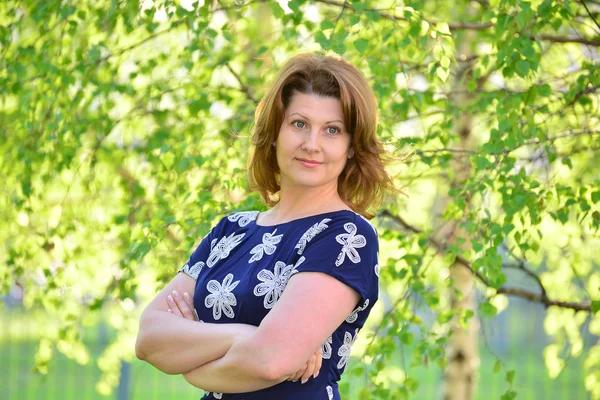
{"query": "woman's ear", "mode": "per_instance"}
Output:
(351, 153)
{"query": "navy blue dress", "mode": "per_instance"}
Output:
(241, 270)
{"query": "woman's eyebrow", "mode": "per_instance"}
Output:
(328, 122)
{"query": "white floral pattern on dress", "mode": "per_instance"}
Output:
(346, 348)
(329, 392)
(221, 249)
(354, 314)
(243, 218)
(268, 246)
(326, 348)
(274, 283)
(377, 270)
(350, 242)
(300, 261)
(221, 299)
(194, 270)
(311, 233)
(216, 395)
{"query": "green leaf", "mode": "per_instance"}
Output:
(595, 306)
(471, 85)
(544, 90)
(509, 395)
(522, 68)
(361, 45)
(411, 383)
(406, 338)
(294, 5)
(487, 309)
(327, 24)
(277, 10)
(445, 62)
(359, 5)
(443, 27)
(322, 40)
(510, 376)
(497, 366)
(442, 74)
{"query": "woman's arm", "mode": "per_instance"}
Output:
(176, 345)
(312, 306)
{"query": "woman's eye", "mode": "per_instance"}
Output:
(332, 130)
(299, 124)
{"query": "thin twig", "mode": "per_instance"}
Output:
(460, 25)
(530, 142)
(589, 13)
(535, 297)
(243, 87)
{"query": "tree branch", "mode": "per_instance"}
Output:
(521, 266)
(473, 26)
(243, 87)
(525, 294)
(530, 142)
(538, 298)
(567, 39)
(589, 13)
(591, 89)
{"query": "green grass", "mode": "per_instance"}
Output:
(69, 380)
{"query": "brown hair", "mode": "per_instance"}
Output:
(363, 181)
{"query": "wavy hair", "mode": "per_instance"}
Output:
(363, 181)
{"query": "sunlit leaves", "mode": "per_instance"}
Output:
(134, 125)
(487, 310)
(361, 45)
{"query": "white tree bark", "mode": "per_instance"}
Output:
(460, 376)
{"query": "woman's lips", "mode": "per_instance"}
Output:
(309, 163)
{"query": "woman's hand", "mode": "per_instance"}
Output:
(182, 305)
(311, 368)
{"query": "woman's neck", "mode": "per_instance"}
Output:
(303, 202)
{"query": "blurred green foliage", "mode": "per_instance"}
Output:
(124, 137)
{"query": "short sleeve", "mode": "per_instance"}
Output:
(345, 248)
(197, 261)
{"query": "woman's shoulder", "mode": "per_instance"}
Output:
(336, 227)
(349, 220)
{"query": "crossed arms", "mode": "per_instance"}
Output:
(236, 358)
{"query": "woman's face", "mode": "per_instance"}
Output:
(313, 144)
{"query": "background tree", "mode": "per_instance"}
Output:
(124, 135)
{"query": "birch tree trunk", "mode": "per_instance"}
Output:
(463, 353)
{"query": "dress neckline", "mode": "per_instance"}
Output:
(299, 219)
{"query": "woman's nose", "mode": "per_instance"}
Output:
(311, 141)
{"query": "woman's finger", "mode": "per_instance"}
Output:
(184, 308)
(294, 377)
(298, 374)
(173, 309)
(318, 363)
(190, 302)
(310, 369)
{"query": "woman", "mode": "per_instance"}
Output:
(283, 293)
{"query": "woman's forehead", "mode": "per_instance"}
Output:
(314, 106)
